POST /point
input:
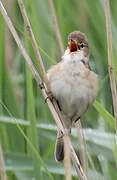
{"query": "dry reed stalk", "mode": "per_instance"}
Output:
(110, 56)
(53, 106)
(9, 53)
(2, 166)
(67, 159)
(56, 26)
(82, 144)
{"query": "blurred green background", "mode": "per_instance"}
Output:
(21, 101)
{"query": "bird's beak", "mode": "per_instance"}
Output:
(73, 45)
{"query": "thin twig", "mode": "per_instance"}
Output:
(56, 26)
(53, 106)
(9, 54)
(81, 141)
(33, 41)
(67, 159)
(110, 56)
(2, 166)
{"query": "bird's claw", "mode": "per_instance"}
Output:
(49, 96)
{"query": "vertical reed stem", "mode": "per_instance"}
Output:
(110, 56)
(56, 26)
(2, 166)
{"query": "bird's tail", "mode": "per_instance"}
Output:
(59, 147)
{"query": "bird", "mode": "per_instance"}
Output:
(73, 84)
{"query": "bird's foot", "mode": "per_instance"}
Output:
(60, 134)
(77, 120)
(49, 96)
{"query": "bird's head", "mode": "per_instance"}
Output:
(77, 41)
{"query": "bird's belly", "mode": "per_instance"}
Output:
(73, 98)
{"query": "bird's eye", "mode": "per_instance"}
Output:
(82, 45)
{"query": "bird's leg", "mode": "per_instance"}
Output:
(60, 134)
(51, 97)
(75, 121)
(49, 93)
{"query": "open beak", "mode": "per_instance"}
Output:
(73, 45)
